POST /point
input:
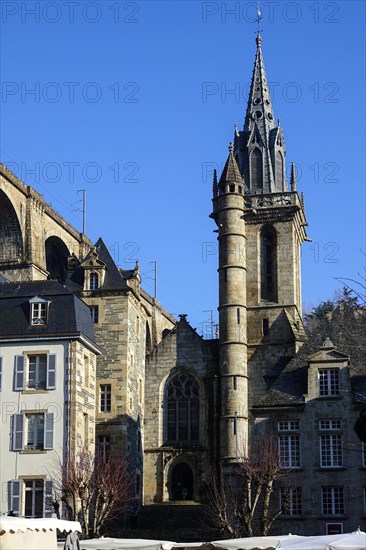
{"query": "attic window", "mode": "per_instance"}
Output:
(38, 311)
(93, 281)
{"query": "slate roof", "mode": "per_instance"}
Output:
(347, 330)
(231, 172)
(67, 315)
(113, 278)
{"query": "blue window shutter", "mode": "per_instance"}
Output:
(14, 492)
(48, 498)
(48, 431)
(51, 372)
(19, 372)
(17, 432)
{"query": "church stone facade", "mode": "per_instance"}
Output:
(174, 404)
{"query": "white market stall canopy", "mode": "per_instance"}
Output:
(105, 543)
(346, 541)
(249, 543)
(32, 534)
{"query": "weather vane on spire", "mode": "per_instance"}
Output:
(258, 18)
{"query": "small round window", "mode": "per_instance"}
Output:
(257, 101)
(258, 114)
(269, 116)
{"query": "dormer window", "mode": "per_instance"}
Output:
(93, 281)
(39, 311)
(328, 382)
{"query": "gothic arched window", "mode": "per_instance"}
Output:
(268, 264)
(256, 169)
(182, 408)
(93, 281)
(279, 171)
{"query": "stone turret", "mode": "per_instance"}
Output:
(228, 213)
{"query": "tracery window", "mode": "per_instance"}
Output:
(256, 169)
(182, 400)
(268, 264)
(279, 171)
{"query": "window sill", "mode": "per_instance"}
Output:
(35, 390)
(331, 469)
(32, 452)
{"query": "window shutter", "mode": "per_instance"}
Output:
(14, 490)
(48, 431)
(51, 372)
(19, 372)
(1, 373)
(48, 498)
(17, 432)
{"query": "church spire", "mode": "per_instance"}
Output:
(260, 148)
(259, 109)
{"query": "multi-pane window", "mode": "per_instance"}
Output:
(103, 448)
(36, 372)
(33, 507)
(94, 312)
(328, 382)
(291, 501)
(182, 398)
(31, 498)
(32, 431)
(35, 431)
(39, 313)
(330, 443)
(105, 397)
(332, 501)
(93, 281)
(289, 444)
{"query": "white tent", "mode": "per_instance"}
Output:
(346, 541)
(249, 543)
(106, 543)
(32, 534)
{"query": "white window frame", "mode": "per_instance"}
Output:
(39, 308)
(105, 395)
(94, 280)
(295, 497)
(289, 444)
(17, 494)
(21, 371)
(20, 435)
(103, 448)
(334, 500)
(329, 382)
(330, 444)
(94, 312)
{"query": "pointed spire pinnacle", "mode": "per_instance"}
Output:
(231, 172)
(293, 177)
(259, 109)
(214, 185)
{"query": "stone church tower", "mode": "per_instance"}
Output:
(261, 226)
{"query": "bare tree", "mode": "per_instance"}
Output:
(93, 492)
(243, 503)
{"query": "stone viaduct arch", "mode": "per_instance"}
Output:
(35, 241)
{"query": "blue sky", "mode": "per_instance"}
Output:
(136, 103)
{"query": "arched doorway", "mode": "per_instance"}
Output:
(181, 483)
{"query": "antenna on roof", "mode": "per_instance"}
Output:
(83, 208)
